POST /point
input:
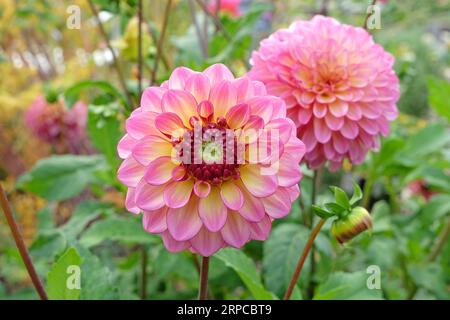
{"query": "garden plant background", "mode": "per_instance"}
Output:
(72, 73)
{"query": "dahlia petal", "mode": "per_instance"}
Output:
(238, 116)
(159, 171)
(252, 209)
(262, 107)
(223, 96)
(303, 116)
(321, 131)
(125, 146)
(217, 73)
(149, 197)
(179, 173)
(294, 192)
(284, 127)
(173, 245)
(349, 129)
(278, 204)
(236, 231)
(231, 195)
(338, 108)
(260, 230)
(184, 223)
(170, 124)
(199, 86)
(245, 89)
(320, 110)
(181, 103)
(178, 193)
(309, 140)
(258, 184)
(340, 143)
(130, 172)
(289, 172)
(334, 123)
(151, 99)
(212, 211)
(151, 147)
(141, 124)
(155, 221)
(179, 77)
(207, 243)
(202, 189)
(368, 126)
(130, 204)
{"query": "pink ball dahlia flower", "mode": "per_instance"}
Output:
(230, 7)
(188, 161)
(338, 85)
(53, 123)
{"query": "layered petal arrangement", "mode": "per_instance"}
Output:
(190, 163)
(338, 84)
(53, 123)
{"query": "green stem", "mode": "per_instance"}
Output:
(203, 287)
(302, 259)
(367, 192)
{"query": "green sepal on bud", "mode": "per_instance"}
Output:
(348, 227)
(350, 220)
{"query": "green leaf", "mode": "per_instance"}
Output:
(340, 197)
(437, 207)
(48, 244)
(347, 286)
(439, 96)
(127, 230)
(428, 140)
(104, 132)
(357, 194)
(335, 208)
(281, 253)
(61, 177)
(71, 95)
(324, 214)
(84, 213)
(60, 277)
(246, 269)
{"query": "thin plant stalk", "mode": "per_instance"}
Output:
(21, 245)
(113, 53)
(159, 47)
(140, 61)
(198, 31)
(302, 259)
(203, 286)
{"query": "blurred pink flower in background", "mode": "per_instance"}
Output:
(339, 87)
(214, 203)
(231, 7)
(54, 124)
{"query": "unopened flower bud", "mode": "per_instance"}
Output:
(357, 221)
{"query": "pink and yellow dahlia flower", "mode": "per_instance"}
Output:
(190, 165)
(338, 85)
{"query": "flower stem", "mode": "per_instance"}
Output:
(203, 287)
(144, 260)
(302, 259)
(21, 245)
